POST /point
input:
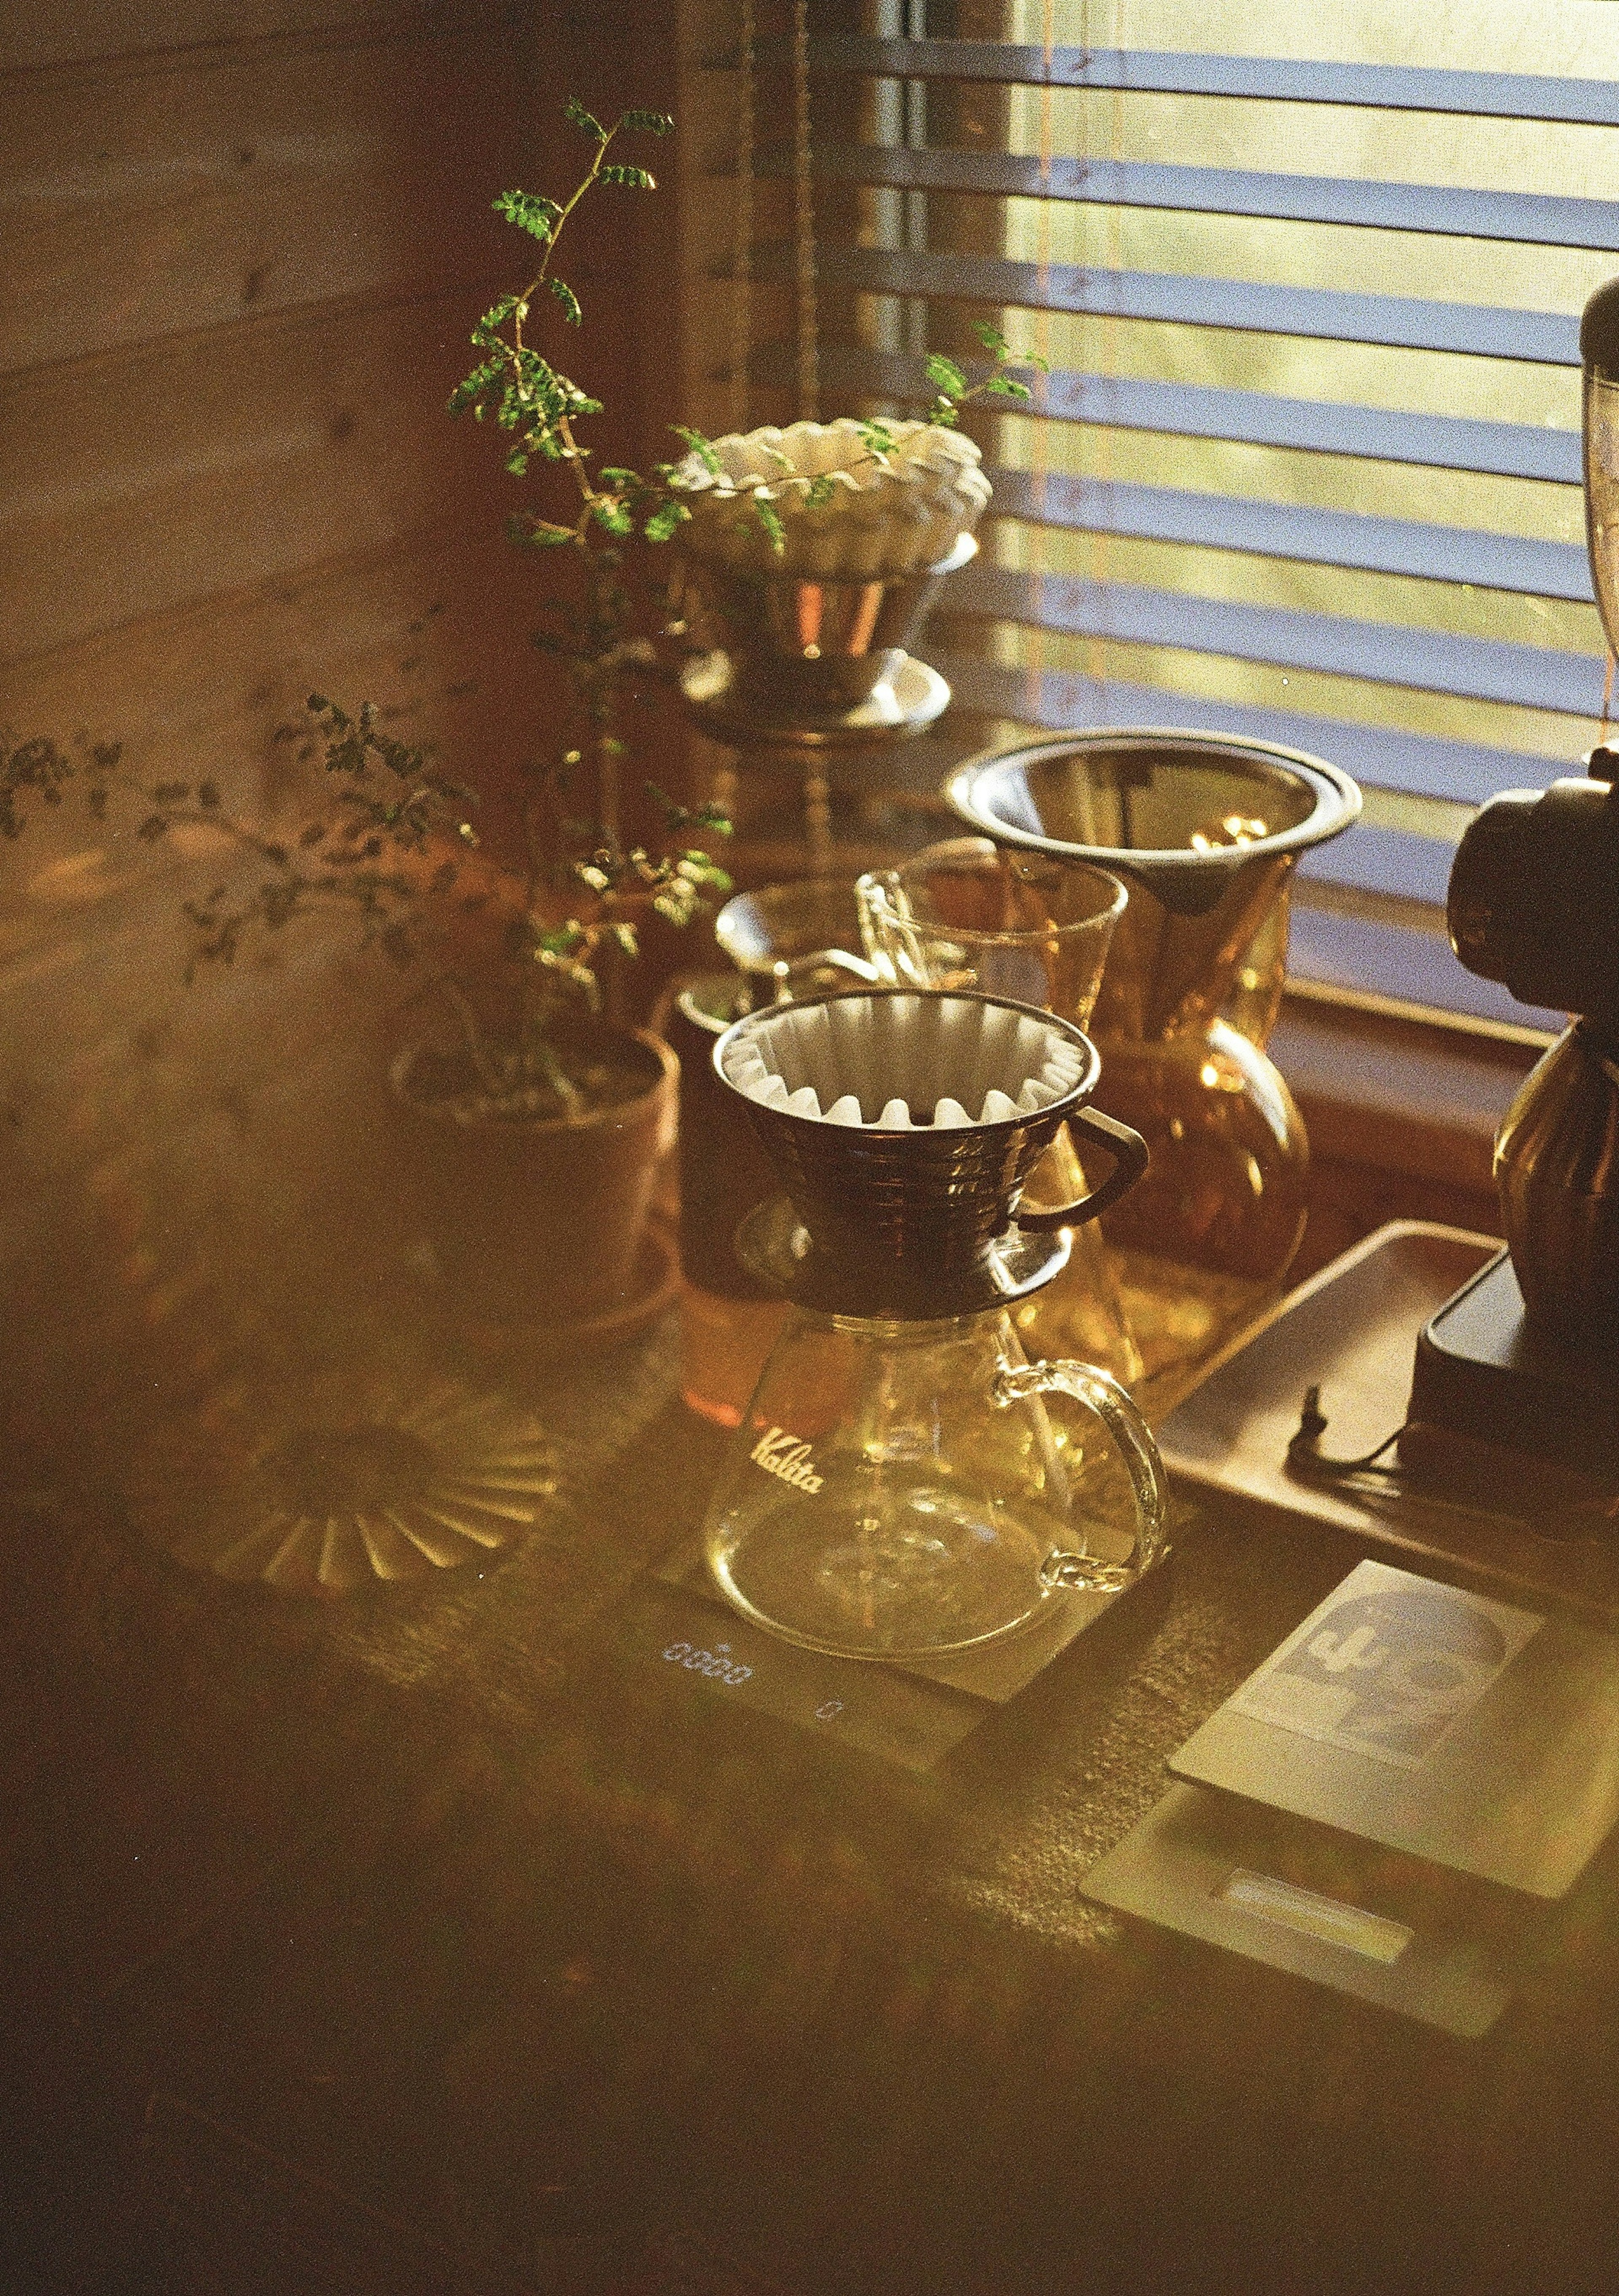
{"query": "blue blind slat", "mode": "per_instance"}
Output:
(1319, 537)
(1381, 756)
(1482, 331)
(1431, 661)
(1413, 968)
(1385, 87)
(1191, 410)
(1381, 860)
(1520, 217)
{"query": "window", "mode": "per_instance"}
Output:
(1306, 463)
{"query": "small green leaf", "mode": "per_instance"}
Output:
(633, 179)
(569, 300)
(701, 446)
(1004, 387)
(664, 521)
(649, 123)
(529, 211)
(770, 519)
(946, 377)
(586, 122)
(487, 330)
(699, 870)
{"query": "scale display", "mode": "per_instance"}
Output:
(909, 1713)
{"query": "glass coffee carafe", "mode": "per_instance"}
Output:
(905, 1484)
(1205, 831)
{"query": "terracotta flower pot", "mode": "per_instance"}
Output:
(538, 1219)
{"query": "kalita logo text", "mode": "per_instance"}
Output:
(783, 1454)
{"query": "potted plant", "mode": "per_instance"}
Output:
(534, 1121)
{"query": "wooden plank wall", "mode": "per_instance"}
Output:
(242, 250)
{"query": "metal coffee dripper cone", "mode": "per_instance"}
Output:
(912, 1214)
(896, 1487)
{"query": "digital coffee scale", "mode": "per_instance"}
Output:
(905, 1717)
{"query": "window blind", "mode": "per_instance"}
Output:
(1306, 462)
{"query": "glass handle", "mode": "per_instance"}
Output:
(884, 917)
(1132, 1438)
(1131, 1158)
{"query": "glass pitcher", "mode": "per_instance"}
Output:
(905, 1484)
(900, 1488)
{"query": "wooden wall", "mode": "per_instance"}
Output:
(244, 248)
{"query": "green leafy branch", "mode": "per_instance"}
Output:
(953, 390)
(530, 397)
(624, 886)
(390, 845)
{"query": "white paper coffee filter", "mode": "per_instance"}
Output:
(894, 1062)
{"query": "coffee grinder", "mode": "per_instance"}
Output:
(1525, 1358)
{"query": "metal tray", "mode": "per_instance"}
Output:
(1352, 1330)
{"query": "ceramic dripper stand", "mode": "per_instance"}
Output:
(896, 1489)
(1205, 830)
